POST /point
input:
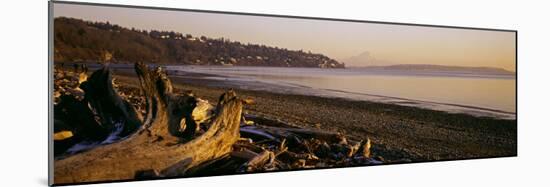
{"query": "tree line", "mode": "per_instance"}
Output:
(77, 40)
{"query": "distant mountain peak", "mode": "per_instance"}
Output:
(366, 59)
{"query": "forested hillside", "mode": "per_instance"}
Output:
(84, 41)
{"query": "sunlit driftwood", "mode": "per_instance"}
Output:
(161, 146)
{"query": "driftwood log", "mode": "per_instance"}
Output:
(165, 144)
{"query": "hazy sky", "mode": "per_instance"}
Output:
(339, 40)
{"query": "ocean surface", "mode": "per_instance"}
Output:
(454, 92)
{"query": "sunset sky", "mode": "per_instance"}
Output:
(387, 43)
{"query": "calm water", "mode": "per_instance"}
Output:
(483, 95)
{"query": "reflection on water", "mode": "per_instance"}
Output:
(494, 93)
(487, 93)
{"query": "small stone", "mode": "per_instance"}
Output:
(317, 125)
(323, 150)
(321, 165)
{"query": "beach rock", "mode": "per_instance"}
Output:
(323, 150)
(321, 165)
(317, 125)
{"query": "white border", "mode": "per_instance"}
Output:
(23, 99)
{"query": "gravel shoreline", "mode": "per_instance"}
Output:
(399, 133)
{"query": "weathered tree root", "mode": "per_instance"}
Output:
(173, 111)
(156, 148)
(93, 118)
(107, 104)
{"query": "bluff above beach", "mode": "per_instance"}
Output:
(84, 41)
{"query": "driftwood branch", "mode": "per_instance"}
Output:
(173, 111)
(258, 161)
(157, 149)
(90, 109)
(107, 104)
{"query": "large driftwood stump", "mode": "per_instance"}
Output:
(157, 147)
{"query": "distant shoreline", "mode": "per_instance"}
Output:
(441, 68)
(464, 70)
